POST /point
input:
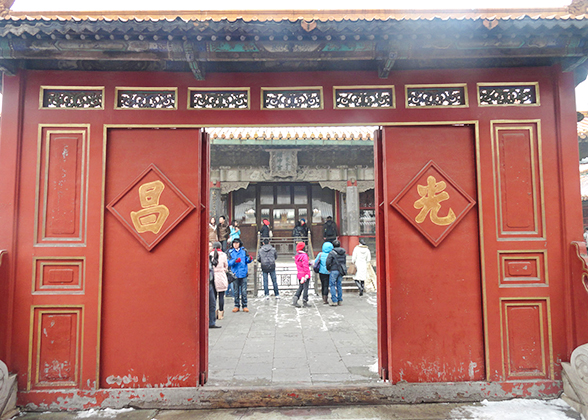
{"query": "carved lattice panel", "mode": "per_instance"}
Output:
(146, 98)
(218, 98)
(508, 95)
(60, 97)
(292, 98)
(359, 97)
(435, 96)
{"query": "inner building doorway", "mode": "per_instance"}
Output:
(289, 175)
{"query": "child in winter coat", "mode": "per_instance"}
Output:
(219, 261)
(303, 269)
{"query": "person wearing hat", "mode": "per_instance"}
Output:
(239, 258)
(361, 257)
(303, 274)
(265, 231)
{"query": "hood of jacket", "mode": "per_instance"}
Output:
(339, 250)
(327, 247)
(266, 248)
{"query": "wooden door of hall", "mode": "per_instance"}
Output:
(430, 313)
(155, 282)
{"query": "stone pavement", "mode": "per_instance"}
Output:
(536, 410)
(278, 344)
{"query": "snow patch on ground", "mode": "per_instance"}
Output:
(517, 409)
(374, 368)
(106, 413)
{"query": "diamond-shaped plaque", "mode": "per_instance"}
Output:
(433, 203)
(150, 207)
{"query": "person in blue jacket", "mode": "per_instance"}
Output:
(323, 272)
(238, 260)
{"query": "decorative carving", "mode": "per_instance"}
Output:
(7, 393)
(423, 97)
(292, 99)
(578, 7)
(152, 224)
(364, 97)
(5, 6)
(425, 193)
(283, 163)
(146, 99)
(72, 98)
(507, 95)
(219, 99)
(227, 187)
(340, 186)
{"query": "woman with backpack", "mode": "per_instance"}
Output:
(320, 263)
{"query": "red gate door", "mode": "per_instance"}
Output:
(433, 304)
(154, 323)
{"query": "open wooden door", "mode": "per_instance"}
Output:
(430, 298)
(155, 293)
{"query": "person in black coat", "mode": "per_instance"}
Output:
(330, 230)
(337, 265)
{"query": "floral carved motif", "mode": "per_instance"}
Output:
(146, 99)
(292, 99)
(220, 99)
(435, 96)
(69, 98)
(507, 95)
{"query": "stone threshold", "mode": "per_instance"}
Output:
(286, 396)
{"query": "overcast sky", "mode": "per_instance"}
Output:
(88, 5)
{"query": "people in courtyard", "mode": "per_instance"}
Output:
(300, 231)
(211, 291)
(330, 230)
(337, 266)
(221, 283)
(586, 234)
(222, 231)
(212, 236)
(265, 231)
(361, 257)
(323, 271)
(239, 258)
(303, 274)
(234, 231)
(267, 256)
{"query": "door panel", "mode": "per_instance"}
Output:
(433, 299)
(150, 304)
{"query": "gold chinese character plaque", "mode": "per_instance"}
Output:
(150, 207)
(433, 203)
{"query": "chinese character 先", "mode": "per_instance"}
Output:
(432, 195)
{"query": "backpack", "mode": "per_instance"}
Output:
(330, 230)
(317, 264)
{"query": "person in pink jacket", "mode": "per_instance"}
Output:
(303, 274)
(220, 263)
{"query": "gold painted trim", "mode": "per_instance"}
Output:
(117, 89)
(59, 290)
(72, 88)
(549, 333)
(236, 89)
(430, 86)
(537, 180)
(295, 88)
(359, 87)
(79, 241)
(498, 84)
(502, 267)
(79, 343)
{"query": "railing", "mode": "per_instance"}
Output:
(286, 273)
